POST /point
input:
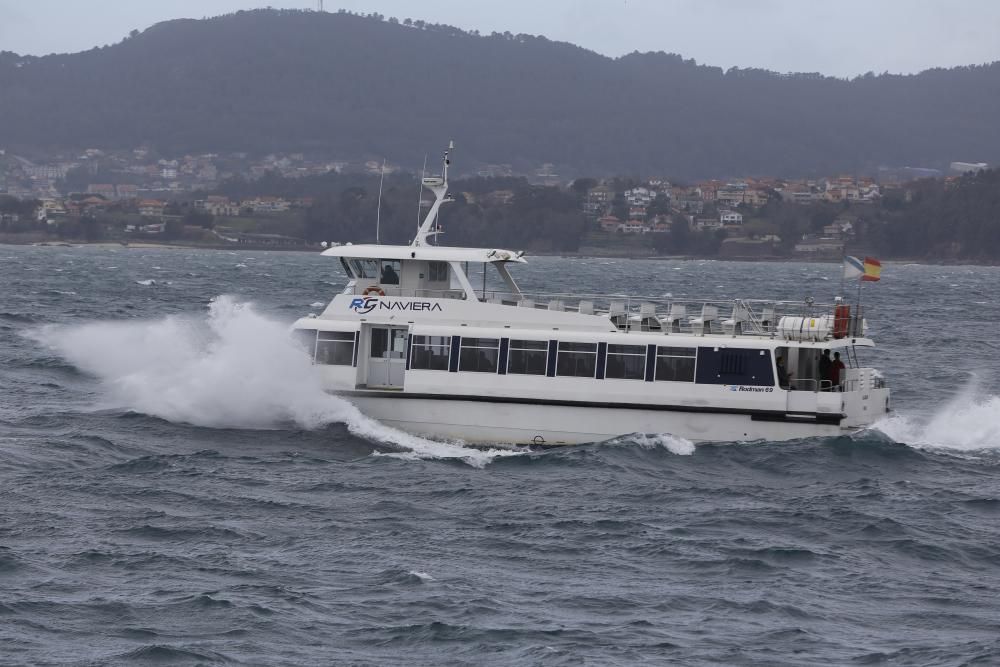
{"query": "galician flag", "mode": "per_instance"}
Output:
(868, 270)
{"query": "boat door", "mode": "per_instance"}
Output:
(386, 357)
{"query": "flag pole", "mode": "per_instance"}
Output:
(843, 262)
(859, 298)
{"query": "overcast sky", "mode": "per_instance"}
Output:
(840, 38)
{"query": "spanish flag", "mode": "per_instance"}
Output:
(873, 270)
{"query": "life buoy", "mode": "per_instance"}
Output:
(374, 289)
(841, 320)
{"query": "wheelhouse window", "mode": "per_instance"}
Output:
(335, 348)
(389, 273)
(365, 268)
(527, 357)
(626, 362)
(437, 272)
(430, 353)
(479, 355)
(576, 359)
(675, 364)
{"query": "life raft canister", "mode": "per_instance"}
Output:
(841, 320)
(374, 289)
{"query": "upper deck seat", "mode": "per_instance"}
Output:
(733, 326)
(648, 321)
(678, 314)
(586, 307)
(557, 304)
(618, 314)
(526, 303)
(703, 324)
(767, 321)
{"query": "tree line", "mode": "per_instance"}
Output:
(933, 219)
(362, 87)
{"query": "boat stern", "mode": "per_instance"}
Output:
(865, 396)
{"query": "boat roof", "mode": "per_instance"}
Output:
(431, 253)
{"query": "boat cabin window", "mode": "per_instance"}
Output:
(626, 362)
(390, 272)
(365, 268)
(437, 272)
(479, 355)
(577, 359)
(675, 364)
(335, 348)
(528, 357)
(430, 353)
(737, 366)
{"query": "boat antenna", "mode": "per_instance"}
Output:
(439, 186)
(378, 209)
(420, 195)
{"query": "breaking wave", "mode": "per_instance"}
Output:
(672, 443)
(233, 368)
(968, 422)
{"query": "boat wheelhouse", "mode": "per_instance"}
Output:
(418, 340)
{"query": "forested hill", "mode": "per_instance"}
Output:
(356, 87)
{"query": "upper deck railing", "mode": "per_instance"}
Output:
(793, 320)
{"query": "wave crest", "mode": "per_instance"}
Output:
(233, 368)
(969, 422)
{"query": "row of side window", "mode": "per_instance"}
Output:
(704, 365)
(531, 357)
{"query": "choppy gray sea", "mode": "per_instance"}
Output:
(175, 491)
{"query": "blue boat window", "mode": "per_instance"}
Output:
(576, 360)
(430, 353)
(335, 348)
(479, 355)
(626, 362)
(735, 366)
(527, 357)
(675, 364)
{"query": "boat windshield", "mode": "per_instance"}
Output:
(365, 268)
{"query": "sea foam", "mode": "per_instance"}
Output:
(233, 368)
(970, 421)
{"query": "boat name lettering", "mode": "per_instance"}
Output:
(368, 304)
(752, 388)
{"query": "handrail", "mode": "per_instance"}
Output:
(755, 317)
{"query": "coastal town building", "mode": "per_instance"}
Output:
(149, 208)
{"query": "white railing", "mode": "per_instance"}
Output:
(649, 313)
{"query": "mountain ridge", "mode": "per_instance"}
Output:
(355, 86)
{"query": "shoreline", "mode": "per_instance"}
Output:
(147, 245)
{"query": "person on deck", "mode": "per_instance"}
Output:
(389, 275)
(824, 371)
(835, 371)
(782, 372)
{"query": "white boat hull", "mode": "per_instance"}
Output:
(485, 422)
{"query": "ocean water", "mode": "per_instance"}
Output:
(175, 489)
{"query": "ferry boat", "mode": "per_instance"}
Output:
(416, 345)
